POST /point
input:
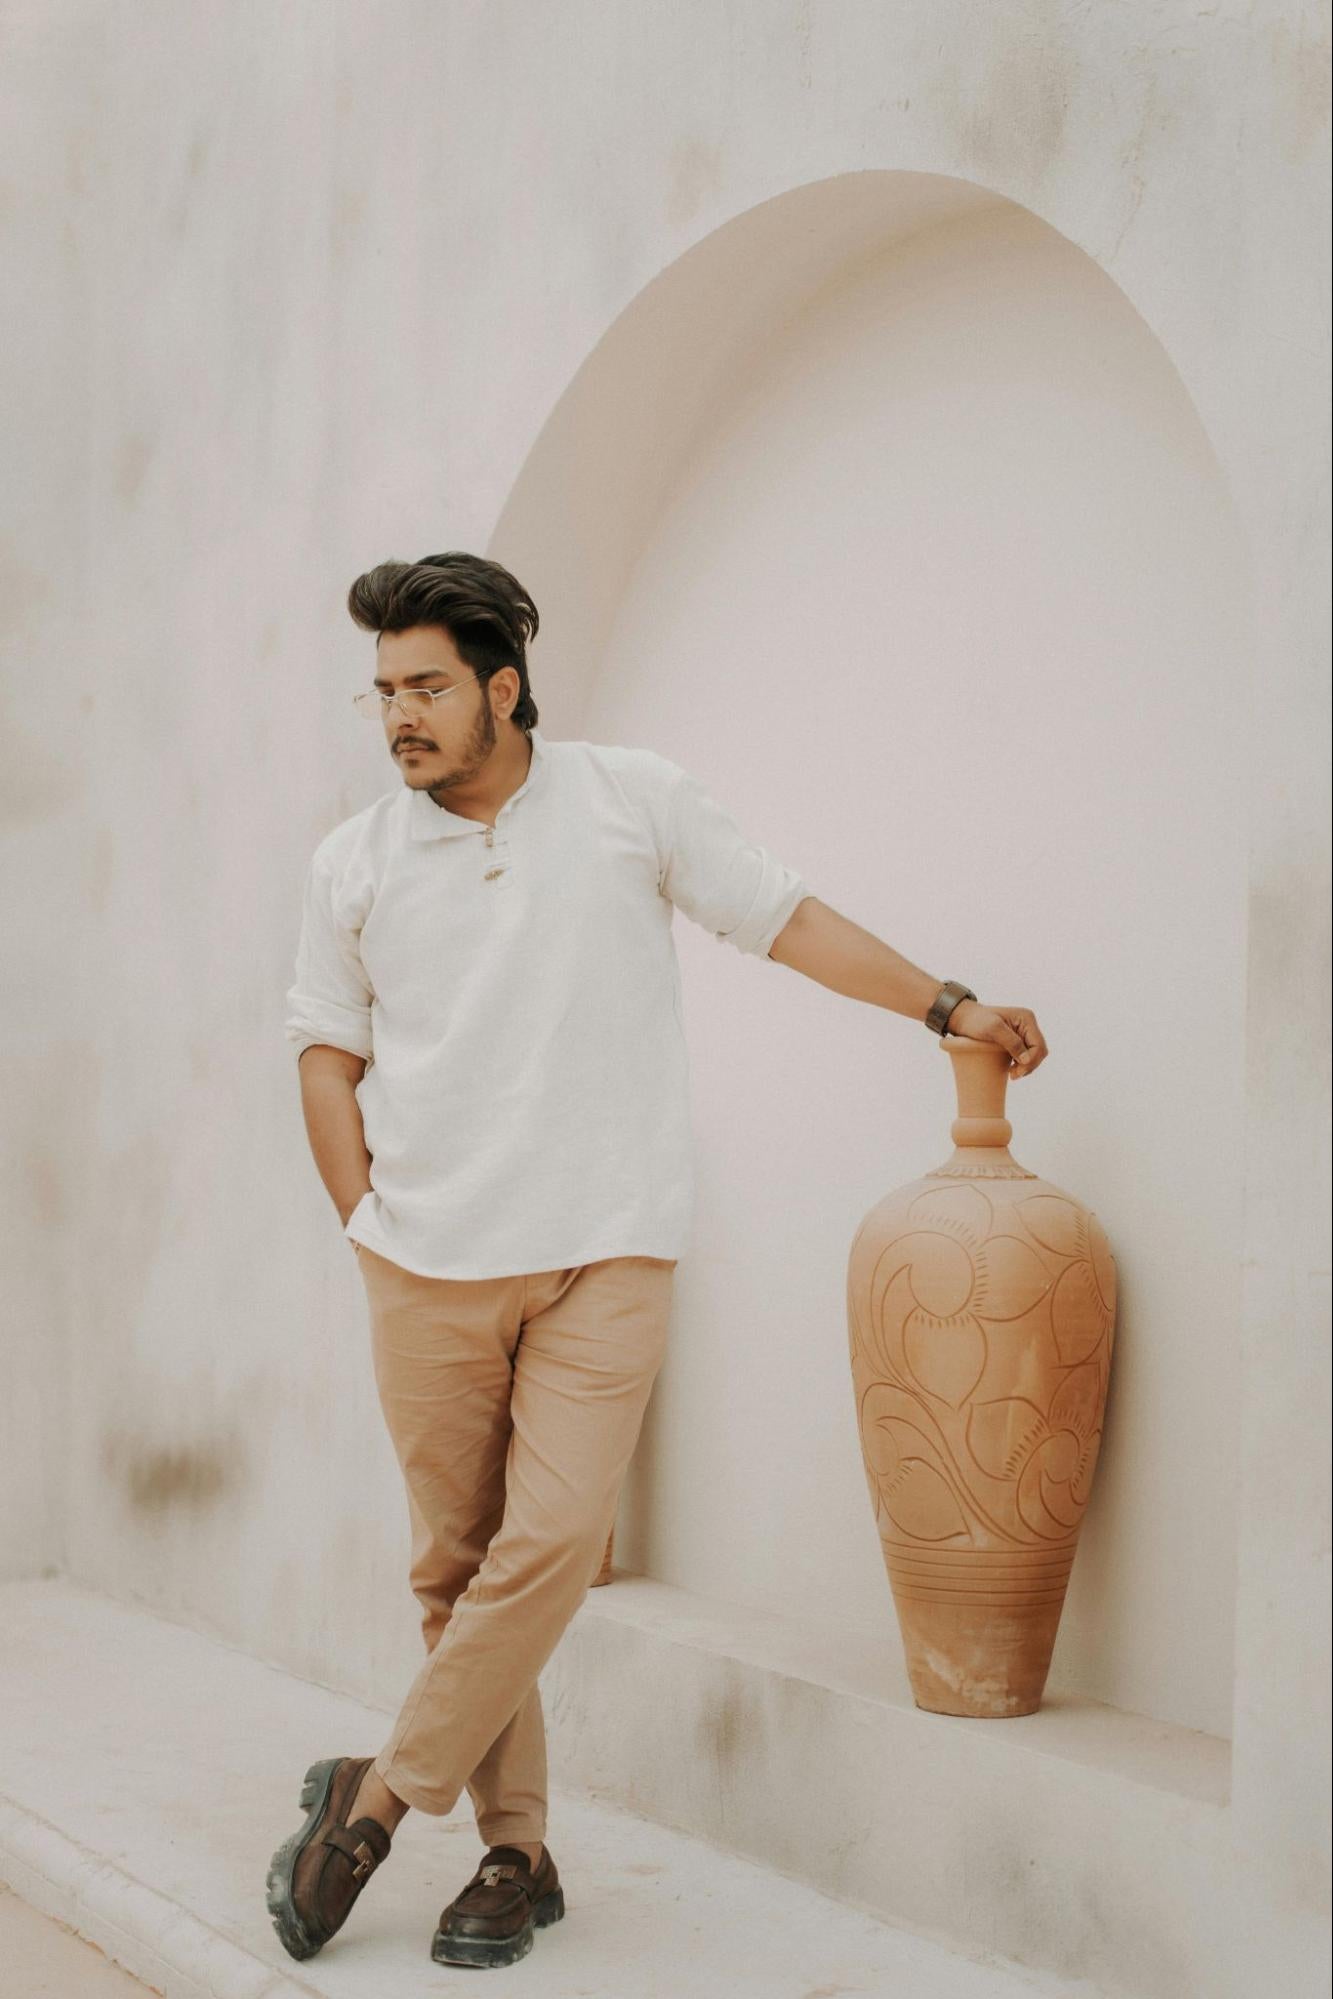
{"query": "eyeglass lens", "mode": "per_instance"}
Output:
(415, 702)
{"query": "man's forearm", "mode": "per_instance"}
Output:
(329, 1077)
(839, 954)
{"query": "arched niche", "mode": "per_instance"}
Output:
(884, 510)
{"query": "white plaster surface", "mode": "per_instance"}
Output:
(854, 387)
(148, 1773)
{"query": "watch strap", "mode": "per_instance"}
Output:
(948, 997)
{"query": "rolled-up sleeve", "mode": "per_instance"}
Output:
(728, 884)
(331, 999)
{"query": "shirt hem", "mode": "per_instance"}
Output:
(525, 1268)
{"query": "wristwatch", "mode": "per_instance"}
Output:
(948, 997)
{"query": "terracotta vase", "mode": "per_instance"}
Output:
(981, 1316)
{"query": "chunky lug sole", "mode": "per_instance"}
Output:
(446, 1949)
(292, 1932)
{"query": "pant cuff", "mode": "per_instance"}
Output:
(511, 1832)
(411, 1794)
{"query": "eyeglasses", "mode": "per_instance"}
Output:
(415, 702)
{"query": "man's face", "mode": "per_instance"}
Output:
(449, 745)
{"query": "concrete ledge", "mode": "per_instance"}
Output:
(147, 1933)
(134, 1751)
(1079, 1841)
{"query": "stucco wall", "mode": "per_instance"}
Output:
(300, 290)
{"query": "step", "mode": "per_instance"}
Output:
(147, 1771)
(1081, 1841)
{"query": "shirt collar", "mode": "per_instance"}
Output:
(428, 821)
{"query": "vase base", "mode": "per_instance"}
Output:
(1001, 1711)
(985, 1660)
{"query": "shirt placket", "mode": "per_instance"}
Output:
(499, 871)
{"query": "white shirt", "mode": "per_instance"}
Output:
(516, 994)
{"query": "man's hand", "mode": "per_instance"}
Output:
(329, 1077)
(1013, 1028)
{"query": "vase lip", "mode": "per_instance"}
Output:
(963, 1044)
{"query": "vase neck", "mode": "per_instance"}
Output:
(981, 1132)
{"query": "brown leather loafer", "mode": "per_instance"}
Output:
(493, 1919)
(317, 1874)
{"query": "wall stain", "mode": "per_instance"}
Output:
(694, 177)
(347, 222)
(162, 1478)
(1300, 91)
(133, 456)
(729, 1728)
(44, 1180)
(99, 866)
(1013, 125)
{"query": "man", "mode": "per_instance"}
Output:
(488, 1024)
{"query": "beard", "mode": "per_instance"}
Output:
(469, 758)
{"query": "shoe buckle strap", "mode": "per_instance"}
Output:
(358, 1851)
(495, 1871)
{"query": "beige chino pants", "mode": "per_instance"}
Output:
(514, 1404)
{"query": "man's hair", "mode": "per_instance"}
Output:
(486, 611)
